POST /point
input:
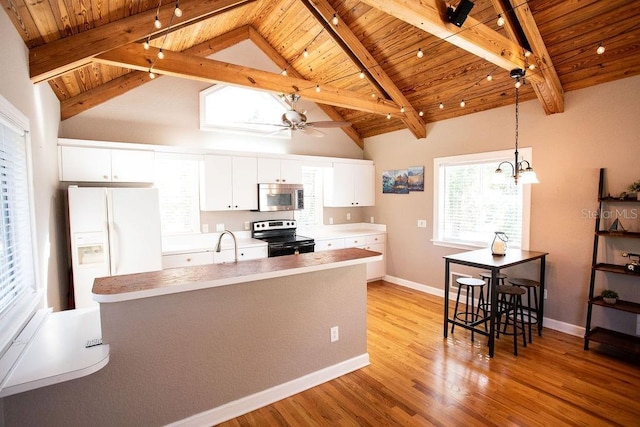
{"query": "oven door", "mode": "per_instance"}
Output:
(281, 249)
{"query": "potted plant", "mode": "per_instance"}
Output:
(609, 296)
(635, 188)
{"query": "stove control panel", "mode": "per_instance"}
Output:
(274, 224)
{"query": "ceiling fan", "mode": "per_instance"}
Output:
(295, 120)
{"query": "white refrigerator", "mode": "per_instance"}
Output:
(113, 231)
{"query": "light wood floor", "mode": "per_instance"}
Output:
(417, 378)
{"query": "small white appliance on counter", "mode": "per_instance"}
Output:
(113, 231)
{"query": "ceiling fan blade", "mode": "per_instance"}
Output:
(313, 132)
(328, 124)
(277, 132)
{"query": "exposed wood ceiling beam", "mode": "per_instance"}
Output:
(350, 43)
(96, 96)
(192, 67)
(550, 91)
(88, 99)
(63, 55)
(474, 37)
(281, 63)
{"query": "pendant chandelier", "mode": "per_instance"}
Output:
(520, 173)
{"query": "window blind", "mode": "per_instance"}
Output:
(17, 276)
(473, 207)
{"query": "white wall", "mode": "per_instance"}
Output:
(599, 128)
(40, 105)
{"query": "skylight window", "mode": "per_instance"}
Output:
(236, 109)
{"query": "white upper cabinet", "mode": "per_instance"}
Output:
(229, 183)
(347, 184)
(282, 171)
(83, 164)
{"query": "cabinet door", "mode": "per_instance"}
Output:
(268, 170)
(376, 269)
(363, 185)
(291, 171)
(338, 185)
(85, 164)
(328, 244)
(245, 254)
(245, 183)
(132, 166)
(216, 188)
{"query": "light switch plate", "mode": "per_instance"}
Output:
(219, 227)
(422, 223)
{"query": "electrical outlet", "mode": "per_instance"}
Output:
(334, 334)
(247, 225)
(372, 221)
(219, 227)
(348, 216)
(205, 228)
(422, 223)
(330, 220)
(638, 324)
(545, 294)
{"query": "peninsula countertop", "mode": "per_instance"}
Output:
(175, 280)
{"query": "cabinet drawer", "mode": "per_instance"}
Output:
(187, 259)
(375, 239)
(244, 254)
(329, 244)
(358, 241)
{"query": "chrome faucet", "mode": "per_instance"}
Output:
(235, 243)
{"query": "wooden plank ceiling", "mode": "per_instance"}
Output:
(366, 65)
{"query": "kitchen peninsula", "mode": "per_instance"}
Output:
(198, 345)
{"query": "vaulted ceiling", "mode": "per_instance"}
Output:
(361, 63)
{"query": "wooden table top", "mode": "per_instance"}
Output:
(483, 258)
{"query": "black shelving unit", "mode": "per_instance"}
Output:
(625, 342)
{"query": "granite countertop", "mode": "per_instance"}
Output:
(183, 279)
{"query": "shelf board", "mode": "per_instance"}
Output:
(614, 268)
(627, 234)
(629, 343)
(617, 199)
(621, 305)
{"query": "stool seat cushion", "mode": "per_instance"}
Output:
(510, 290)
(524, 282)
(470, 281)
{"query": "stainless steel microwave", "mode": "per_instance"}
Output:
(280, 197)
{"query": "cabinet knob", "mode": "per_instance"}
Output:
(105, 177)
(328, 244)
(229, 206)
(284, 180)
(188, 259)
(355, 241)
(115, 176)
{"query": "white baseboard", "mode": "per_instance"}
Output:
(556, 325)
(266, 397)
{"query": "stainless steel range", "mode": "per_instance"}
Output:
(281, 237)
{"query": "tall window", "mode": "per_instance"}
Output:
(236, 109)
(177, 178)
(312, 212)
(18, 287)
(470, 206)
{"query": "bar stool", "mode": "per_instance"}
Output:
(510, 303)
(533, 312)
(486, 275)
(470, 314)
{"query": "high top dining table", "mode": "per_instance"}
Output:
(484, 259)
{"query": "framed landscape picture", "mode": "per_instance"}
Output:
(395, 181)
(415, 178)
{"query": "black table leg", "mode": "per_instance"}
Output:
(540, 313)
(446, 298)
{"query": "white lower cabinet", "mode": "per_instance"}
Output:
(374, 242)
(244, 254)
(187, 259)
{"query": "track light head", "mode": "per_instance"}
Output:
(459, 15)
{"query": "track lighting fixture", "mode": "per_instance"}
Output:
(305, 53)
(317, 88)
(500, 21)
(441, 106)
(420, 53)
(334, 20)
(160, 54)
(421, 113)
(462, 103)
(388, 116)
(459, 15)
(146, 45)
(361, 75)
(600, 49)
(152, 75)
(157, 23)
(177, 11)
(489, 77)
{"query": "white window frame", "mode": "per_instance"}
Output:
(245, 101)
(486, 157)
(319, 182)
(13, 319)
(195, 208)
